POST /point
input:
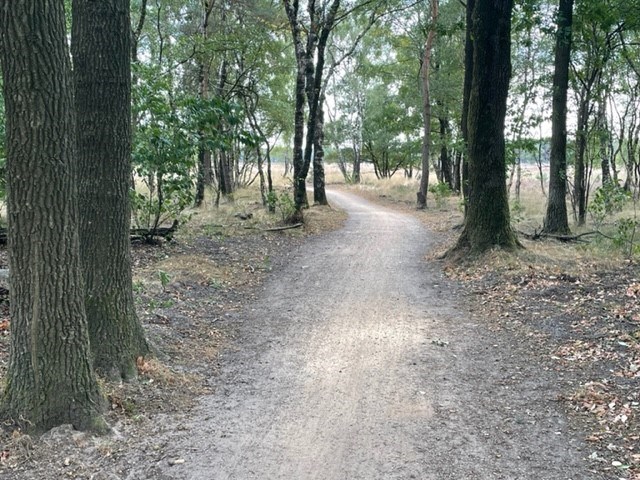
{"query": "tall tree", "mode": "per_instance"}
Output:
(50, 380)
(204, 154)
(425, 69)
(466, 95)
(300, 168)
(310, 59)
(556, 220)
(487, 221)
(103, 109)
(596, 30)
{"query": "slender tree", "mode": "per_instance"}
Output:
(50, 380)
(466, 95)
(299, 171)
(487, 221)
(425, 69)
(556, 220)
(204, 154)
(101, 54)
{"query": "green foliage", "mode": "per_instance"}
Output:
(517, 212)
(165, 278)
(440, 191)
(170, 131)
(282, 204)
(625, 236)
(164, 152)
(608, 199)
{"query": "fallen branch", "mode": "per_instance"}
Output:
(276, 229)
(561, 238)
(148, 234)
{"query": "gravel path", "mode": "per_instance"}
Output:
(360, 361)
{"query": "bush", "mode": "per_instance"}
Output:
(608, 199)
(282, 204)
(440, 191)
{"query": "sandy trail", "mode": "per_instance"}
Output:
(360, 361)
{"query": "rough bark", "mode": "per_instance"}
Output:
(425, 69)
(50, 380)
(487, 223)
(100, 44)
(556, 220)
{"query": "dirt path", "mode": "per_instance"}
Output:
(360, 361)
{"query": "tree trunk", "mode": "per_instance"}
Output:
(319, 193)
(204, 176)
(466, 94)
(603, 139)
(580, 177)
(355, 175)
(103, 114)
(50, 380)
(224, 173)
(445, 162)
(556, 220)
(426, 108)
(457, 179)
(487, 222)
(316, 48)
(299, 175)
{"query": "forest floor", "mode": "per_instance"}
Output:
(354, 353)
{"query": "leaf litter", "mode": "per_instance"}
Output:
(585, 321)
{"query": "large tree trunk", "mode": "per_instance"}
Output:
(556, 220)
(100, 46)
(50, 380)
(426, 108)
(487, 222)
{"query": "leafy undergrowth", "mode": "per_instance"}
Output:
(583, 317)
(212, 268)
